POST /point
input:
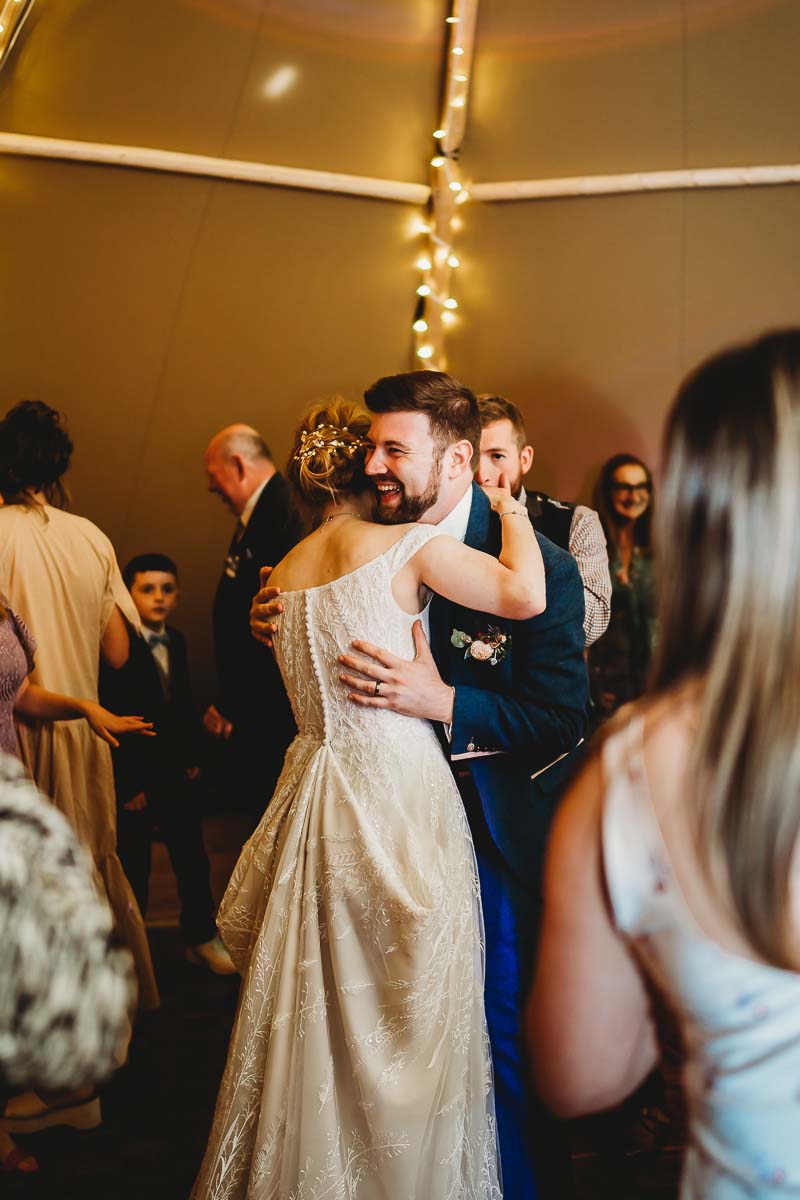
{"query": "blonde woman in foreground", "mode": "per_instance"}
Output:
(673, 859)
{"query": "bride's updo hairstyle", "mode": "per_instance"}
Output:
(327, 457)
(35, 451)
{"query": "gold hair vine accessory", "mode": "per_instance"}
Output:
(311, 442)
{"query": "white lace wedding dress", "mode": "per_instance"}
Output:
(359, 1063)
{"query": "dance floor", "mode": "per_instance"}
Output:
(157, 1109)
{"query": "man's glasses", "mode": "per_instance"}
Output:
(632, 489)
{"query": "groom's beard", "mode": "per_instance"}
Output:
(393, 511)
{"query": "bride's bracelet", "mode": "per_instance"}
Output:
(513, 512)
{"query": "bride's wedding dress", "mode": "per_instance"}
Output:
(359, 1063)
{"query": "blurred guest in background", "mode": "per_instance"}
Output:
(60, 575)
(252, 713)
(620, 661)
(66, 989)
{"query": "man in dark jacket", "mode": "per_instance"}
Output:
(251, 713)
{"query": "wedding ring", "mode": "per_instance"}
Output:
(377, 687)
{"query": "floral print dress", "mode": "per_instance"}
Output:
(17, 648)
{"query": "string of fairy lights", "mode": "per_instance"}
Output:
(436, 307)
(12, 15)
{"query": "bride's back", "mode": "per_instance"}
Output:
(319, 623)
(341, 544)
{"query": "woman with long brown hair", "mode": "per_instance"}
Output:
(673, 859)
(619, 661)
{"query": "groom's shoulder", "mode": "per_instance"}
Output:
(557, 562)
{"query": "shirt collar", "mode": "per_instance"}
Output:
(523, 495)
(247, 511)
(457, 520)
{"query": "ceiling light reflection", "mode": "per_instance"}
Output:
(281, 81)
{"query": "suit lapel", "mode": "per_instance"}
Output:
(477, 534)
(442, 614)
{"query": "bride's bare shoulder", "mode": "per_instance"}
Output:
(337, 550)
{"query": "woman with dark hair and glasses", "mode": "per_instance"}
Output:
(619, 661)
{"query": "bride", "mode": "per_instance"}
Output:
(359, 1064)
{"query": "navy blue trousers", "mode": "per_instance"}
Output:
(534, 1152)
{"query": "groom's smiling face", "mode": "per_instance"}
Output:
(405, 466)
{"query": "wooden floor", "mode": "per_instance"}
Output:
(157, 1110)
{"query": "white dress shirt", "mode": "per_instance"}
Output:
(247, 511)
(457, 520)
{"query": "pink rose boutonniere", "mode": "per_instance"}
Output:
(491, 647)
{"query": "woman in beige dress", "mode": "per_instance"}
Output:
(60, 574)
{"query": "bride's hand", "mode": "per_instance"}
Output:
(501, 499)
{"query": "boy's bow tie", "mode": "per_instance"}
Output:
(158, 639)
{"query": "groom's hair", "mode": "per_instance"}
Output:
(451, 408)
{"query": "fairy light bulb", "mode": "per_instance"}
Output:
(439, 257)
(420, 227)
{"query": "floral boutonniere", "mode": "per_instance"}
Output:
(491, 647)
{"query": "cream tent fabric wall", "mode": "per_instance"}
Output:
(153, 308)
(587, 312)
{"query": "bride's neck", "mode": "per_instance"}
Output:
(351, 506)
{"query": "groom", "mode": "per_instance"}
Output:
(508, 699)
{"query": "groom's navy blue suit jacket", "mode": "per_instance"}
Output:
(531, 707)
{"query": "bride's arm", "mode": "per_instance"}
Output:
(512, 586)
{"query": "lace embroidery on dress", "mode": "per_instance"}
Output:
(359, 1063)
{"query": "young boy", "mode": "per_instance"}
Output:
(153, 781)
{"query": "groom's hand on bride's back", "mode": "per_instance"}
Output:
(265, 610)
(376, 678)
